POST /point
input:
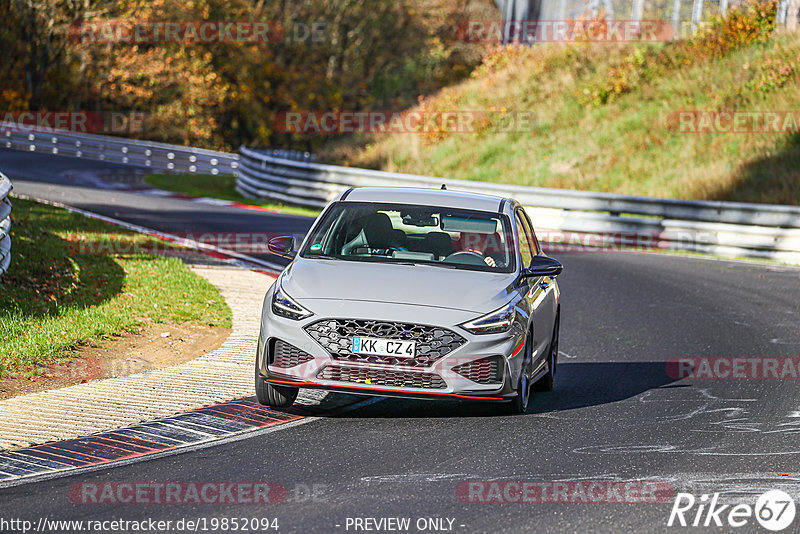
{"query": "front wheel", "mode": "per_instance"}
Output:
(272, 395)
(519, 404)
(547, 382)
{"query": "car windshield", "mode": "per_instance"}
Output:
(389, 233)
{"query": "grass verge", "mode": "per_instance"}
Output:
(75, 280)
(221, 186)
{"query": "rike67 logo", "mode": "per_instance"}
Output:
(774, 510)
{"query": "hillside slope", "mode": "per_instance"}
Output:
(606, 117)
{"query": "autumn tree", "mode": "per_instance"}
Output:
(42, 28)
(334, 55)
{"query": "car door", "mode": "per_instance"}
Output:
(535, 293)
(546, 301)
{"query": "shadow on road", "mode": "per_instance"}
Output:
(49, 273)
(578, 385)
(584, 384)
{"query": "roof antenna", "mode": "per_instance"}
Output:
(444, 187)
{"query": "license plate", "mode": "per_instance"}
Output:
(384, 347)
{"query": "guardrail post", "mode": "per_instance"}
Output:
(697, 14)
(676, 19)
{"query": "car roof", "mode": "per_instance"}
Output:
(425, 197)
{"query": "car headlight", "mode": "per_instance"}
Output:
(284, 306)
(493, 323)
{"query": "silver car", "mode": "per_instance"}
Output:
(412, 293)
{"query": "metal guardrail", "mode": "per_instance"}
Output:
(148, 154)
(722, 228)
(5, 223)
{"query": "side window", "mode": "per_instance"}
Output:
(527, 222)
(524, 242)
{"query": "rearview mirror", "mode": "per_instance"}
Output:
(282, 246)
(543, 266)
(419, 219)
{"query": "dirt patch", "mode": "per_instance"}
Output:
(153, 347)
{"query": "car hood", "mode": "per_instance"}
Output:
(422, 285)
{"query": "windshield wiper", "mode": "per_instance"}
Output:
(431, 263)
(445, 265)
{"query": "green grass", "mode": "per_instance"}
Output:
(75, 280)
(221, 186)
(604, 121)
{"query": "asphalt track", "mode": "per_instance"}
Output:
(616, 413)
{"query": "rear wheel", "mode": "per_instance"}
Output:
(547, 382)
(519, 404)
(272, 395)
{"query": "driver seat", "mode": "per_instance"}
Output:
(376, 233)
(438, 244)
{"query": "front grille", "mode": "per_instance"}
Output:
(483, 371)
(287, 356)
(382, 377)
(432, 342)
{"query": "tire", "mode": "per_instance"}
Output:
(547, 382)
(519, 404)
(271, 395)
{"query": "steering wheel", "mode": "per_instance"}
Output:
(472, 258)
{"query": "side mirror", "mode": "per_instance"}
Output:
(543, 266)
(282, 246)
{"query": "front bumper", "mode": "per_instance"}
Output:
(321, 365)
(395, 392)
